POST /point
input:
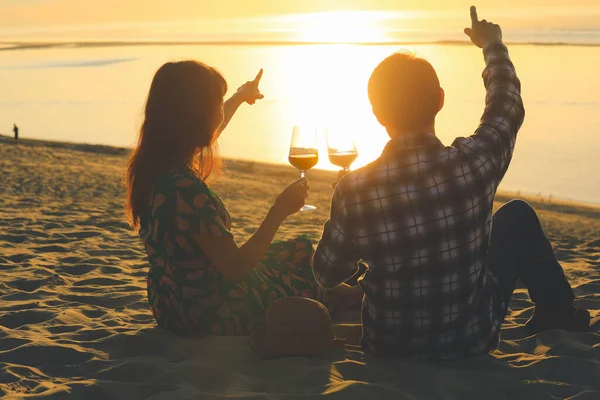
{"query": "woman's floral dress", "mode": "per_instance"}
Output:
(186, 292)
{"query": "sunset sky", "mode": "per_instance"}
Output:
(280, 20)
(15, 13)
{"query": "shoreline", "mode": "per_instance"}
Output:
(551, 203)
(17, 45)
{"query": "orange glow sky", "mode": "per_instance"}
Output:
(14, 13)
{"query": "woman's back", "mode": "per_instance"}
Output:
(181, 207)
(186, 291)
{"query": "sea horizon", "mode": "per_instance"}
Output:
(40, 44)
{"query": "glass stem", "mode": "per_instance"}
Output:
(301, 174)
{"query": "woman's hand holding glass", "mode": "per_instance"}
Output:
(292, 198)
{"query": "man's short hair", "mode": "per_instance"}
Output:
(404, 91)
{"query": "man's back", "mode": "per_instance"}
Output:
(419, 217)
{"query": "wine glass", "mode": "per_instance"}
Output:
(304, 153)
(341, 148)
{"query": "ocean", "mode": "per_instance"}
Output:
(88, 84)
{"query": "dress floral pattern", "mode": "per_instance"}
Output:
(186, 292)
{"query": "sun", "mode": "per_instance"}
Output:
(342, 27)
(325, 87)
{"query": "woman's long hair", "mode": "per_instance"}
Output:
(183, 111)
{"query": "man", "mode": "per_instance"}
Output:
(16, 132)
(438, 279)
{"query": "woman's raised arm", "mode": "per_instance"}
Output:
(248, 92)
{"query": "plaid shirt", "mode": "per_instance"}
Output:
(419, 218)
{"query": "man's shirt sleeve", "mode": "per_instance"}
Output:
(492, 145)
(335, 259)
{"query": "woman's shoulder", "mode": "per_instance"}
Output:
(181, 178)
(184, 186)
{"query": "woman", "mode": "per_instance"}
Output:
(200, 281)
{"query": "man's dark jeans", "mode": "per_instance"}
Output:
(520, 250)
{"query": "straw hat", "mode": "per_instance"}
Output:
(295, 326)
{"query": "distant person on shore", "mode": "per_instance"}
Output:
(200, 280)
(16, 132)
(441, 269)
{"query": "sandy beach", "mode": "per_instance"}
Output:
(75, 323)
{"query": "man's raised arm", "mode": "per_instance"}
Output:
(494, 140)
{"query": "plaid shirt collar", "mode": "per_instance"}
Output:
(410, 141)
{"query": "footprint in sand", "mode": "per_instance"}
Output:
(112, 252)
(30, 233)
(53, 225)
(28, 285)
(18, 258)
(106, 302)
(46, 355)
(13, 238)
(99, 282)
(8, 343)
(114, 224)
(77, 269)
(51, 249)
(15, 319)
(594, 243)
(70, 260)
(83, 234)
